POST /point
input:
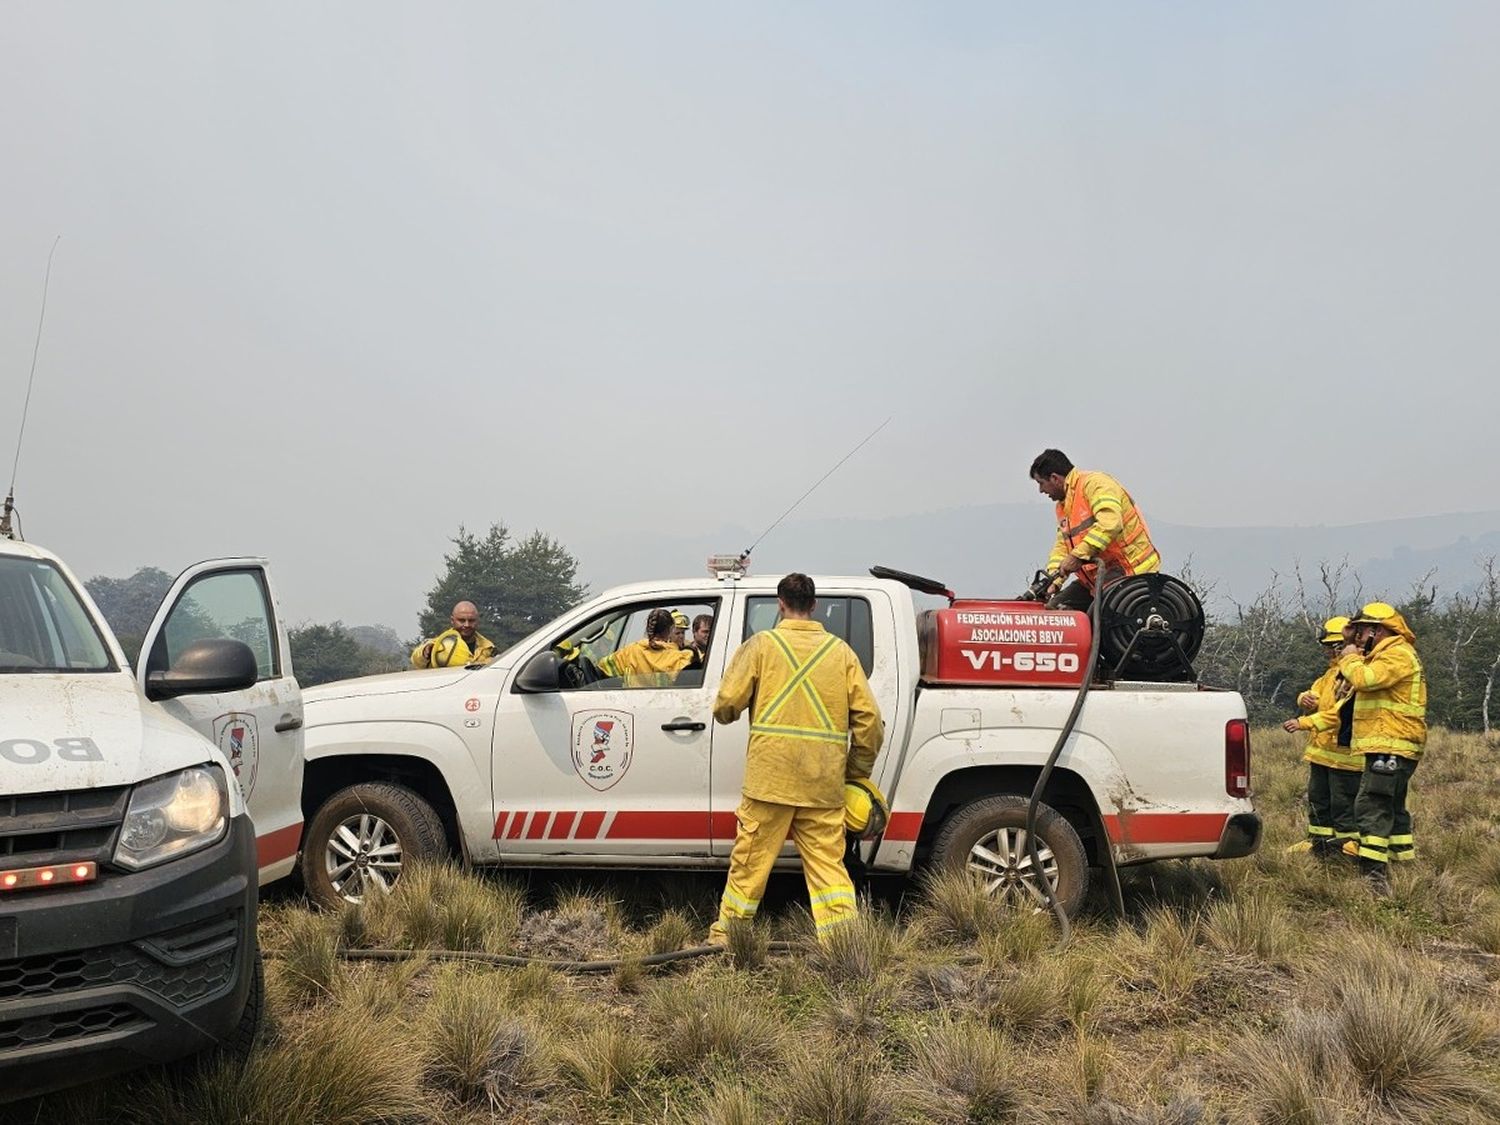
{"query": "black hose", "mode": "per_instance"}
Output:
(515, 960)
(1049, 888)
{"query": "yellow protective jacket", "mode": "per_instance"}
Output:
(813, 720)
(1323, 747)
(643, 664)
(1098, 522)
(449, 650)
(1390, 704)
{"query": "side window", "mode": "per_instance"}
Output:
(848, 618)
(612, 652)
(229, 604)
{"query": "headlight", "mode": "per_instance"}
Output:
(172, 816)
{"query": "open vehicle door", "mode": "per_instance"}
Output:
(258, 729)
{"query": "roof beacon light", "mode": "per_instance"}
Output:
(728, 566)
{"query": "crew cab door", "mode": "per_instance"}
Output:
(259, 729)
(863, 618)
(606, 768)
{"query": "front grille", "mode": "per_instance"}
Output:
(47, 829)
(62, 1027)
(180, 966)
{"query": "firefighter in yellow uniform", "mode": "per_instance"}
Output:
(1390, 730)
(1099, 528)
(458, 646)
(813, 725)
(1333, 766)
(652, 661)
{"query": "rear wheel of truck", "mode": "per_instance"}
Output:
(987, 838)
(362, 837)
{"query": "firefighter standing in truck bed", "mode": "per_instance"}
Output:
(1097, 525)
(814, 724)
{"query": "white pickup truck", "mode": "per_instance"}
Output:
(129, 861)
(531, 762)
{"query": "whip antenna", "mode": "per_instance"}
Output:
(10, 496)
(746, 555)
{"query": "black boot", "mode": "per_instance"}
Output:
(1376, 877)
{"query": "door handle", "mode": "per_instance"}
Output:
(288, 722)
(684, 724)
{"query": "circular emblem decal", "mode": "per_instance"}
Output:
(239, 740)
(602, 746)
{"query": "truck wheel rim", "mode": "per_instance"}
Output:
(1001, 862)
(363, 854)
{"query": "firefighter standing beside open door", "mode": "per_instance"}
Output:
(1390, 730)
(813, 724)
(1333, 766)
(1098, 526)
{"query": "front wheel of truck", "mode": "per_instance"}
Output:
(987, 839)
(361, 839)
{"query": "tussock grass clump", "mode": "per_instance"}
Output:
(841, 1088)
(437, 906)
(1298, 1076)
(1484, 927)
(581, 926)
(1033, 1000)
(476, 1048)
(1019, 937)
(956, 907)
(749, 945)
(310, 965)
(1253, 924)
(673, 930)
(729, 1105)
(606, 1059)
(973, 1061)
(343, 1069)
(712, 1018)
(860, 949)
(379, 990)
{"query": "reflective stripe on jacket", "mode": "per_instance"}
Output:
(643, 665)
(1323, 747)
(1098, 522)
(1390, 704)
(813, 719)
(449, 650)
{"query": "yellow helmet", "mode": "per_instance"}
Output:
(865, 809)
(1376, 613)
(1333, 630)
(680, 620)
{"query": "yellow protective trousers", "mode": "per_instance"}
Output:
(819, 836)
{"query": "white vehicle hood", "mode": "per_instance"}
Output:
(87, 731)
(393, 683)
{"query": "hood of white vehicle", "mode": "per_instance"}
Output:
(393, 683)
(86, 731)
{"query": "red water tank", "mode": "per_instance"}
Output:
(1004, 644)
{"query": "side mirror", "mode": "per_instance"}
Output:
(204, 667)
(540, 674)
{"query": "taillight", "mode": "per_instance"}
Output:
(1237, 757)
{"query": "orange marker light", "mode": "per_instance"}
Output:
(46, 876)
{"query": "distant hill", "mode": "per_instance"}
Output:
(993, 550)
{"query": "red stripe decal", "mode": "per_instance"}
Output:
(588, 825)
(1165, 828)
(723, 825)
(659, 826)
(538, 827)
(516, 824)
(562, 825)
(276, 846)
(500, 825)
(904, 826)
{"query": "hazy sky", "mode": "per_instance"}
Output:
(336, 278)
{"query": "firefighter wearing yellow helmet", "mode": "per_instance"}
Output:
(814, 724)
(1334, 768)
(1390, 731)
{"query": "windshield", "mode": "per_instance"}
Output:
(43, 625)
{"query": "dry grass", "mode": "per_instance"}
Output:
(1270, 990)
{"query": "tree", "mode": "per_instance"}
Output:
(129, 604)
(516, 585)
(323, 653)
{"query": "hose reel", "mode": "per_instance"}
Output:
(1152, 627)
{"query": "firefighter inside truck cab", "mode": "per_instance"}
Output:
(1098, 525)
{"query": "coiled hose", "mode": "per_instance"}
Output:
(1049, 887)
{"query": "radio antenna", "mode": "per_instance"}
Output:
(745, 556)
(10, 496)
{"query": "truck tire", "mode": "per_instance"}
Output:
(360, 838)
(987, 838)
